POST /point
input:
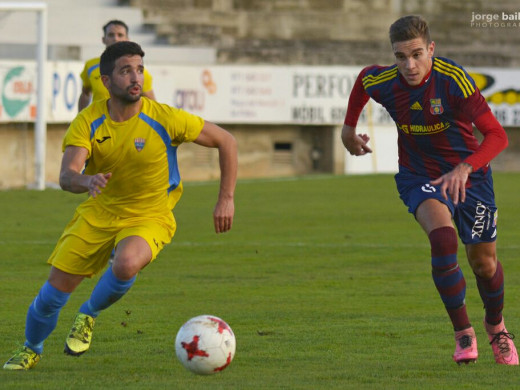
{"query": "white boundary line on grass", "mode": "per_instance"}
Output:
(269, 179)
(261, 244)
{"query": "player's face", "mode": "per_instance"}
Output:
(413, 59)
(126, 81)
(114, 33)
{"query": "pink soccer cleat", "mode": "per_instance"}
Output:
(466, 346)
(502, 343)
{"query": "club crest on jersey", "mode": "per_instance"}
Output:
(139, 143)
(436, 107)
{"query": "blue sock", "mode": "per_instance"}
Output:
(42, 316)
(108, 290)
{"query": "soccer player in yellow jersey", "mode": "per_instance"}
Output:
(93, 88)
(128, 146)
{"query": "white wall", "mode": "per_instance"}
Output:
(383, 159)
(75, 30)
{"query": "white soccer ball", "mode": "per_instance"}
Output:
(205, 345)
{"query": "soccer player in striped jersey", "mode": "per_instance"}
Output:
(93, 88)
(128, 146)
(444, 174)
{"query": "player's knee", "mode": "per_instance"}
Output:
(123, 272)
(126, 267)
(484, 266)
(483, 260)
(443, 241)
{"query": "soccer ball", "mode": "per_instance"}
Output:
(205, 345)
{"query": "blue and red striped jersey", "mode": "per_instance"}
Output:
(434, 119)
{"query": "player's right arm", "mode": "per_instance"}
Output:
(84, 98)
(213, 136)
(147, 85)
(86, 89)
(71, 178)
(356, 144)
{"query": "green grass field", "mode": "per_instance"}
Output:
(325, 281)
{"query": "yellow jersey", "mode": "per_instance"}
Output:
(141, 154)
(91, 78)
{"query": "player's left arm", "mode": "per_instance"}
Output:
(213, 136)
(454, 182)
(149, 94)
(147, 85)
(495, 140)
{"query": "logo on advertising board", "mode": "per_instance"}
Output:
(17, 89)
(207, 81)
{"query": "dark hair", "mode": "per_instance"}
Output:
(116, 23)
(409, 27)
(108, 59)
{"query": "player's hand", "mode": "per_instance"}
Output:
(97, 182)
(356, 144)
(454, 183)
(223, 215)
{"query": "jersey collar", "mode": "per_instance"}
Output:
(424, 80)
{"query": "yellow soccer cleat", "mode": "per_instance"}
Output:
(24, 359)
(80, 336)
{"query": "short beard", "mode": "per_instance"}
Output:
(125, 97)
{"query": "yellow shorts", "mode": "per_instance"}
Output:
(87, 241)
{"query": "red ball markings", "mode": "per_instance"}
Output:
(193, 348)
(221, 325)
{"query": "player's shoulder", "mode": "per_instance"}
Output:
(93, 115)
(180, 124)
(92, 61)
(153, 111)
(95, 108)
(377, 75)
(154, 108)
(92, 64)
(459, 81)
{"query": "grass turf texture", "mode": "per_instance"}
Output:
(325, 281)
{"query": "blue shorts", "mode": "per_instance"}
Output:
(476, 218)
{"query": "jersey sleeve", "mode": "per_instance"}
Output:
(147, 84)
(462, 89)
(78, 134)
(186, 127)
(84, 77)
(473, 106)
(357, 101)
(495, 140)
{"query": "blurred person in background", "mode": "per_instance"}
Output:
(93, 88)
